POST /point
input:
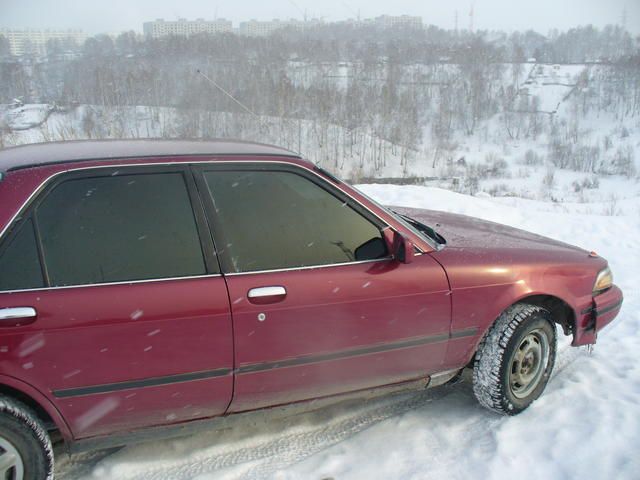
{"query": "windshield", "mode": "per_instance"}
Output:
(436, 241)
(430, 232)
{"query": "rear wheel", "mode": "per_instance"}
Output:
(25, 448)
(11, 463)
(515, 359)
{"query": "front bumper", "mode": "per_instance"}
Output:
(601, 312)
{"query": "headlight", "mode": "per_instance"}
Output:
(604, 280)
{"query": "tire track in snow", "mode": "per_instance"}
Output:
(301, 436)
(250, 459)
(77, 466)
(275, 453)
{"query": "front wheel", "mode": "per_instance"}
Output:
(515, 359)
(25, 447)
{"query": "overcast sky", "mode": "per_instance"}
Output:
(96, 16)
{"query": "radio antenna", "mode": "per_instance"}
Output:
(262, 122)
(242, 105)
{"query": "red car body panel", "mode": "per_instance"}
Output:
(606, 307)
(488, 260)
(334, 327)
(109, 334)
(111, 358)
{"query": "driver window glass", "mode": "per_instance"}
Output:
(273, 219)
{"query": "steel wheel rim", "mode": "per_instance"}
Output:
(528, 363)
(11, 464)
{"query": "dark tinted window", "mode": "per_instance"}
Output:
(19, 264)
(278, 220)
(119, 228)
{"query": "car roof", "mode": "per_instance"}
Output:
(37, 154)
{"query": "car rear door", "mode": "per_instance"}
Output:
(130, 323)
(318, 305)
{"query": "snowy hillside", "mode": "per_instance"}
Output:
(300, 135)
(551, 84)
(586, 424)
(560, 135)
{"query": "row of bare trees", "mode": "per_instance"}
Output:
(390, 91)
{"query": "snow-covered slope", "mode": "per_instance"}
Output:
(556, 117)
(551, 84)
(25, 117)
(356, 152)
(586, 425)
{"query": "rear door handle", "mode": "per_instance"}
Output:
(15, 316)
(264, 295)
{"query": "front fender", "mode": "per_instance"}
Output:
(479, 307)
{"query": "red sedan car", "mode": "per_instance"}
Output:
(148, 286)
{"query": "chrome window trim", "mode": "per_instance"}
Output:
(44, 183)
(187, 163)
(108, 284)
(309, 267)
(24, 204)
(216, 162)
(312, 171)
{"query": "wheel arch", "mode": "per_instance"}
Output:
(36, 401)
(561, 312)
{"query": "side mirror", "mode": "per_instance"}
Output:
(400, 247)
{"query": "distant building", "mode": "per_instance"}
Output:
(256, 28)
(182, 27)
(262, 28)
(390, 21)
(387, 21)
(252, 28)
(35, 41)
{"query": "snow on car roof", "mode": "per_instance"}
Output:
(62, 152)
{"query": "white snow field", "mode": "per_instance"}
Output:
(586, 425)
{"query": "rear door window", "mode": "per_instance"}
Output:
(119, 228)
(19, 262)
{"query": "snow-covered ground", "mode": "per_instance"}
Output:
(24, 117)
(586, 424)
(551, 84)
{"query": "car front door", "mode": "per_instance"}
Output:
(131, 323)
(319, 307)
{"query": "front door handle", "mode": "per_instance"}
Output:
(16, 316)
(264, 295)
